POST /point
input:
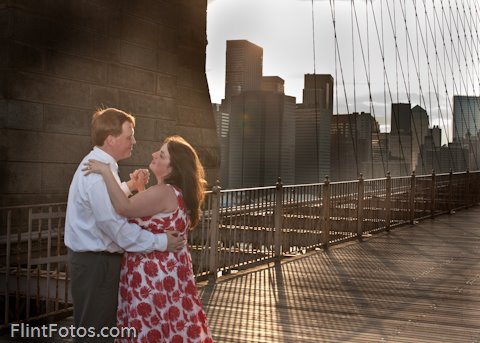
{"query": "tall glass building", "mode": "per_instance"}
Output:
(466, 116)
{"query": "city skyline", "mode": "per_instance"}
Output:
(365, 32)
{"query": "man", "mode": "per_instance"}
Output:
(96, 236)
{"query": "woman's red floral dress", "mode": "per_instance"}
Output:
(157, 294)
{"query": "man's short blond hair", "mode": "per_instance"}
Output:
(107, 122)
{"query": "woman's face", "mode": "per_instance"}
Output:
(160, 164)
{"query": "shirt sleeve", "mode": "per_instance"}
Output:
(125, 189)
(128, 236)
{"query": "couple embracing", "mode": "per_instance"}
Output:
(135, 273)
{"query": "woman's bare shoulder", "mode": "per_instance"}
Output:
(165, 195)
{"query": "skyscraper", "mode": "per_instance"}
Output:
(222, 121)
(466, 128)
(420, 125)
(401, 118)
(262, 139)
(262, 120)
(312, 133)
(400, 143)
(466, 116)
(243, 69)
(352, 145)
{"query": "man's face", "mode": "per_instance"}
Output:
(123, 144)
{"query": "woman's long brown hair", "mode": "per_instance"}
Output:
(187, 174)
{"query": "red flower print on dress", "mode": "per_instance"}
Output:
(166, 330)
(194, 318)
(123, 292)
(144, 292)
(169, 283)
(144, 309)
(159, 300)
(179, 225)
(173, 313)
(154, 336)
(187, 304)
(150, 268)
(136, 324)
(162, 257)
(155, 320)
(177, 339)
(183, 272)
(171, 264)
(176, 296)
(202, 317)
(136, 279)
(183, 258)
(191, 289)
(180, 326)
(159, 285)
(193, 331)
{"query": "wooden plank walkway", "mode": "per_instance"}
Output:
(416, 283)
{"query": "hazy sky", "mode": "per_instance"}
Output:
(283, 28)
(419, 71)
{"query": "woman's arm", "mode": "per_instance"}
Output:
(155, 199)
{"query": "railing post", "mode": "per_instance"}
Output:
(412, 197)
(7, 268)
(326, 213)
(361, 193)
(388, 200)
(278, 217)
(450, 191)
(214, 224)
(433, 191)
(466, 195)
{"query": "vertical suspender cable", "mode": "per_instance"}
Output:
(317, 143)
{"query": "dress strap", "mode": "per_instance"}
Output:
(178, 194)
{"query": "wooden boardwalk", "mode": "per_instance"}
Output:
(416, 283)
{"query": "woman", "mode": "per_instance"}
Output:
(157, 294)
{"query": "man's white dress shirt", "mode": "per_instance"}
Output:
(91, 222)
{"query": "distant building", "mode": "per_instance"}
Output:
(243, 69)
(454, 156)
(380, 164)
(466, 127)
(262, 139)
(430, 151)
(222, 122)
(261, 134)
(352, 151)
(419, 130)
(273, 84)
(466, 116)
(312, 134)
(400, 140)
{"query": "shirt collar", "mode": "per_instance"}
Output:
(105, 157)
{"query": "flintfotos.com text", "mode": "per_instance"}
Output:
(22, 330)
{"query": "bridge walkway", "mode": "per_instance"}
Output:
(418, 283)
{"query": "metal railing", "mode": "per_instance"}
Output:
(33, 269)
(240, 228)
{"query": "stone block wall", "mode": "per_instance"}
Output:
(62, 59)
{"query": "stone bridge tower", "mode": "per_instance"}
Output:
(62, 59)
